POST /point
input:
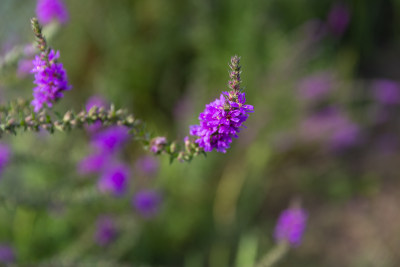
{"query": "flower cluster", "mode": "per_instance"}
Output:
(222, 119)
(290, 226)
(50, 78)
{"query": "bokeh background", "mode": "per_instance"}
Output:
(322, 76)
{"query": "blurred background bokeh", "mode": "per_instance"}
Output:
(323, 79)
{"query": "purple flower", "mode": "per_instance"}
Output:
(93, 163)
(24, 67)
(5, 154)
(147, 165)
(50, 78)
(147, 203)
(157, 144)
(316, 86)
(7, 254)
(106, 231)
(290, 226)
(114, 180)
(339, 18)
(111, 139)
(220, 121)
(386, 92)
(47, 10)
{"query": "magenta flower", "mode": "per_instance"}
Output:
(114, 180)
(111, 139)
(48, 10)
(106, 231)
(147, 203)
(157, 144)
(220, 121)
(5, 154)
(50, 78)
(386, 92)
(290, 226)
(7, 254)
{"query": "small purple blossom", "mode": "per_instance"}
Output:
(147, 165)
(5, 154)
(111, 139)
(50, 78)
(386, 92)
(316, 87)
(7, 254)
(106, 231)
(220, 121)
(339, 18)
(147, 203)
(114, 180)
(290, 226)
(94, 163)
(157, 144)
(48, 10)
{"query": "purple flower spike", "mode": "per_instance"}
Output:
(114, 180)
(93, 164)
(7, 254)
(220, 121)
(50, 78)
(111, 139)
(290, 226)
(386, 92)
(339, 18)
(106, 231)
(147, 203)
(5, 154)
(47, 10)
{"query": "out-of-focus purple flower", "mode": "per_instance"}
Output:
(48, 10)
(94, 163)
(221, 121)
(290, 226)
(339, 18)
(7, 254)
(106, 231)
(111, 139)
(344, 137)
(114, 180)
(5, 154)
(24, 67)
(157, 144)
(99, 102)
(50, 78)
(316, 86)
(386, 92)
(147, 165)
(147, 203)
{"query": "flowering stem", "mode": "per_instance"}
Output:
(274, 255)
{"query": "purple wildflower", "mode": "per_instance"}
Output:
(147, 165)
(157, 144)
(386, 92)
(106, 231)
(339, 18)
(111, 139)
(50, 78)
(5, 154)
(221, 120)
(114, 180)
(147, 203)
(316, 86)
(93, 163)
(24, 67)
(290, 226)
(7, 254)
(47, 10)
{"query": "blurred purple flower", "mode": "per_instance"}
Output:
(157, 144)
(24, 67)
(338, 18)
(5, 154)
(316, 87)
(7, 254)
(290, 226)
(147, 165)
(111, 139)
(50, 78)
(99, 102)
(147, 203)
(386, 92)
(47, 10)
(94, 163)
(106, 231)
(344, 137)
(114, 180)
